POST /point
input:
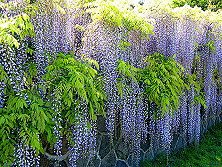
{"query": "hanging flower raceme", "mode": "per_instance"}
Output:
(83, 140)
(25, 156)
(74, 84)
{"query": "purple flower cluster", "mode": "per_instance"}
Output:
(57, 128)
(25, 156)
(83, 141)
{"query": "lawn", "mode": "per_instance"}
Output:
(208, 154)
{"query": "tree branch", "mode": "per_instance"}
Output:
(55, 157)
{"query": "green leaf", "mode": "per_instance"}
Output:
(40, 101)
(119, 86)
(2, 120)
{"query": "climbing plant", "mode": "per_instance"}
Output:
(26, 114)
(154, 79)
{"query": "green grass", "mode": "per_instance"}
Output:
(208, 154)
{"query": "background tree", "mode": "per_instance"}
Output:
(213, 5)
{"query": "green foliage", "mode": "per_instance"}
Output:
(217, 78)
(74, 81)
(126, 73)
(192, 80)
(212, 5)
(67, 79)
(163, 81)
(18, 119)
(163, 7)
(116, 14)
(19, 25)
(209, 152)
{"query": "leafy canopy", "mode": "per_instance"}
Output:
(164, 79)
